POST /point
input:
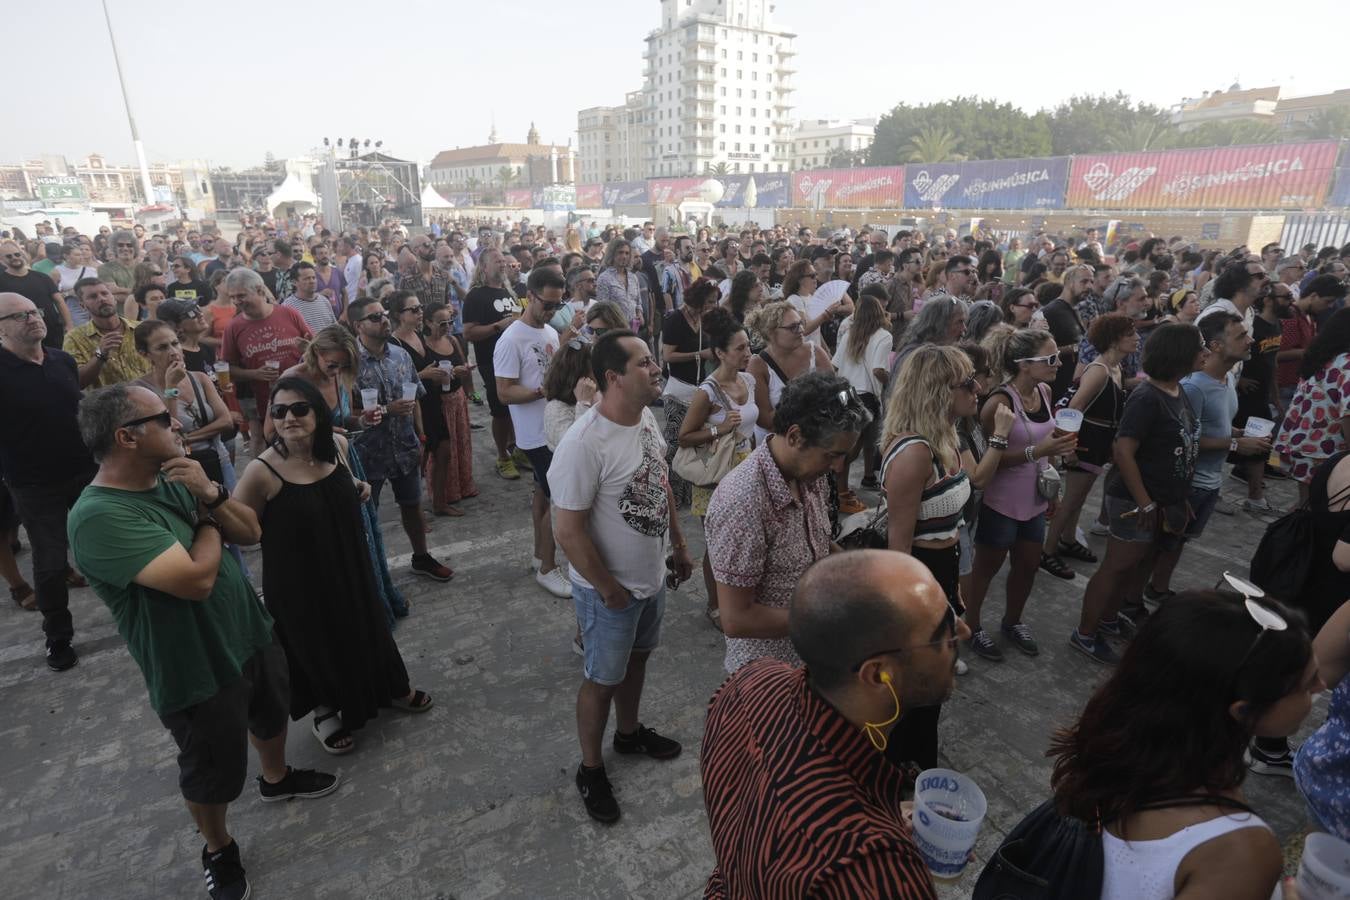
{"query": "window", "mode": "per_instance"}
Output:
(754, 57)
(739, 75)
(723, 109)
(752, 129)
(724, 71)
(738, 92)
(738, 131)
(752, 148)
(721, 145)
(737, 147)
(740, 55)
(722, 128)
(754, 95)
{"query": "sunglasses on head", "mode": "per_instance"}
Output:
(299, 409)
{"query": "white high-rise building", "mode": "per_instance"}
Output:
(718, 89)
(610, 141)
(815, 141)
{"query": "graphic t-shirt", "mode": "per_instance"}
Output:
(1169, 438)
(250, 343)
(187, 650)
(488, 306)
(618, 472)
(523, 353)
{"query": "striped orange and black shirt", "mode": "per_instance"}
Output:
(799, 801)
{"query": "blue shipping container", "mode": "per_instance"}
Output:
(988, 184)
(1340, 188)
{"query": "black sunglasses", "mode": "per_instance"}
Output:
(299, 409)
(163, 419)
(376, 317)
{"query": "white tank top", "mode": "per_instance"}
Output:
(776, 386)
(1147, 870)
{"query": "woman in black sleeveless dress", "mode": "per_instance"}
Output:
(317, 577)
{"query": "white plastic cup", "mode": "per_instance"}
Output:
(222, 371)
(410, 390)
(447, 367)
(1068, 421)
(370, 398)
(1324, 871)
(1258, 428)
(272, 364)
(948, 811)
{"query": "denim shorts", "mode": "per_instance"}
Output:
(407, 488)
(609, 636)
(997, 530)
(1126, 528)
(540, 459)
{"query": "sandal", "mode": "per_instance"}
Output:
(421, 702)
(75, 579)
(714, 616)
(1056, 566)
(23, 597)
(328, 728)
(1075, 550)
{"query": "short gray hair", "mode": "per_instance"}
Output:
(1289, 262)
(124, 235)
(244, 277)
(374, 287)
(101, 413)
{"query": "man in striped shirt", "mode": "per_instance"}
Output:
(800, 798)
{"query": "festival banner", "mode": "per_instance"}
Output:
(623, 193)
(1038, 183)
(590, 196)
(1340, 191)
(878, 187)
(1267, 176)
(758, 191)
(518, 198)
(673, 190)
(554, 197)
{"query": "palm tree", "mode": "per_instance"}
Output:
(933, 145)
(1327, 124)
(1146, 134)
(716, 170)
(506, 175)
(472, 185)
(1230, 133)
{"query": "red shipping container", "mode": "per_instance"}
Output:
(875, 187)
(1267, 176)
(519, 198)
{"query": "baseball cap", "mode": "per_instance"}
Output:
(821, 252)
(175, 311)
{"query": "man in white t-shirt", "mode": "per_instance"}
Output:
(612, 494)
(519, 362)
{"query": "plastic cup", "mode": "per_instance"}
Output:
(222, 370)
(1324, 872)
(272, 364)
(1068, 421)
(370, 398)
(447, 367)
(410, 390)
(1258, 427)
(948, 811)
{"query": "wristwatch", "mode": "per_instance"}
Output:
(221, 497)
(101, 355)
(1232, 446)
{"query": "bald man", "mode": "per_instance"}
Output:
(877, 637)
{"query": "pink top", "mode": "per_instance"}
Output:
(1012, 490)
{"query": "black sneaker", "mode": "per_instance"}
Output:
(984, 645)
(61, 656)
(1131, 620)
(1157, 597)
(598, 794)
(1096, 649)
(1022, 638)
(225, 879)
(1266, 764)
(646, 740)
(298, 783)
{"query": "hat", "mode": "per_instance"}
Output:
(175, 311)
(821, 253)
(1178, 298)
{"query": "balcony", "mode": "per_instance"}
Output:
(698, 78)
(785, 69)
(786, 50)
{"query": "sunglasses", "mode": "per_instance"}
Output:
(795, 326)
(970, 384)
(1051, 360)
(299, 409)
(124, 244)
(375, 317)
(949, 620)
(409, 309)
(163, 419)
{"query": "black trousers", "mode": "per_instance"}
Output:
(42, 509)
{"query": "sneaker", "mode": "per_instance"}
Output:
(1021, 637)
(298, 783)
(984, 645)
(476, 398)
(1257, 506)
(426, 565)
(555, 581)
(521, 460)
(61, 656)
(1224, 507)
(598, 794)
(1132, 620)
(1100, 530)
(1265, 764)
(1096, 649)
(646, 740)
(225, 879)
(1056, 566)
(1157, 597)
(961, 667)
(850, 504)
(506, 468)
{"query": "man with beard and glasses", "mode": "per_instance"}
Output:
(676, 279)
(877, 638)
(429, 283)
(17, 278)
(120, 273)
(102, 347)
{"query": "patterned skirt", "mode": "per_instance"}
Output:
(676, 410)
(450, 479)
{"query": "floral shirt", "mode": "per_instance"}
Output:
(1312, 427)
(630, 292)
(1322, 766)
(760, 536)
(391, 448)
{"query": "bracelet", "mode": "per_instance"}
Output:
(997, 443)
(1031, 454)
(713, 429)
(1148, 509)
(210, 522)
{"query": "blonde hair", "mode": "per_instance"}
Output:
(764, 320)
(333, 339)
(1006, 347)
(921, 400)
(572, 240)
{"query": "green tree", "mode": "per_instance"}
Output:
(1144, 134)
(840, 158)
(933, 145)
(1327, 125)
(716, 170)
(985, 129)
(1229, 134)
(472, 185)
(1095, 124)
(506, 176)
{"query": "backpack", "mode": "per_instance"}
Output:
(1284, 558)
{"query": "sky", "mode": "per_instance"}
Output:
(230, 82)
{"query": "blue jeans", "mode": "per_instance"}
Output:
(610, 636)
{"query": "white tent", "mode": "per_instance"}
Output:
(432, 199)
(294, 194)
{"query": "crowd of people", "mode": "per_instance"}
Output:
(175, 397)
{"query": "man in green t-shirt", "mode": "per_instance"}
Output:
(148, 534)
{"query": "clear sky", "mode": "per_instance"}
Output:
(229, 82)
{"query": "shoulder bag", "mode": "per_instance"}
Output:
(707, 464)
(1049, 484)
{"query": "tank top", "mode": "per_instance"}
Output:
(1012, 490)
(942, 503)
(776, 385)
(1146, 870)
(749, 410)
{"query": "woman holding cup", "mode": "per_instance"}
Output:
(449, 456)
(1093, 412)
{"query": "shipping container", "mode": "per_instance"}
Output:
(1038, 183)
(876, 187)
(590, 196)
(1340, 190)
(1268, 176)
(518, 198)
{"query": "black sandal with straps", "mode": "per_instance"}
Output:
(1056, 566)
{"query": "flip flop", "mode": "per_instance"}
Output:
(420, 703)
(328, 729)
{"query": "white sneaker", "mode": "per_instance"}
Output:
(1257, 506)
(961, 667)
(1224, 507)
(555, 581)
(1099, 529)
